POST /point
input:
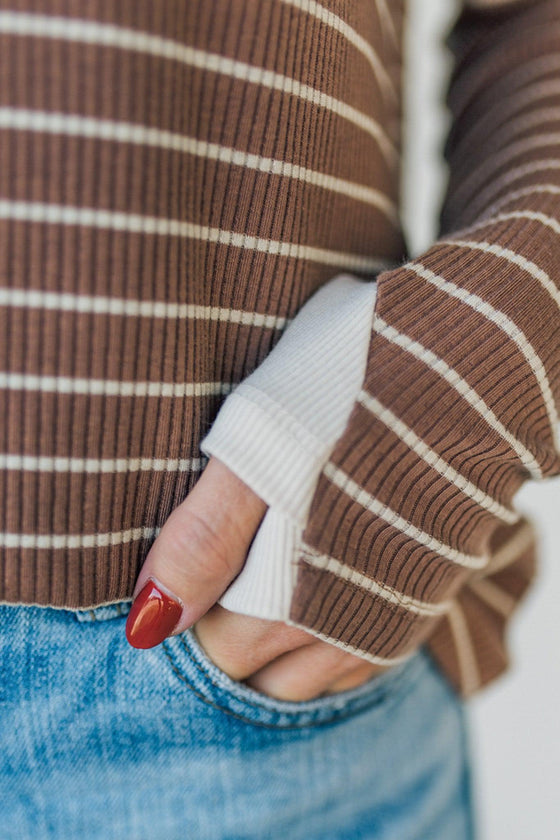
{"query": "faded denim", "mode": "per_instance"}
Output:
(103, 742)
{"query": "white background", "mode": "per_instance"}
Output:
(515, 723)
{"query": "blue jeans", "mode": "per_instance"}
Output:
(98, 740)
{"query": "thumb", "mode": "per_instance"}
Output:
(200, 549)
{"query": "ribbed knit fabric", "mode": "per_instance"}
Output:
(459, 403)
(176, 180)
(277, 429)
(412, 535)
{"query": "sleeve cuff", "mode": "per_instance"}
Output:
(265, 586)
(277, 428)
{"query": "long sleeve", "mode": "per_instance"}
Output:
(459, 403)
(411, 534)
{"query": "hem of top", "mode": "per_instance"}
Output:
(42, 605)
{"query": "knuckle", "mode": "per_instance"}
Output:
(289, 636)
(194, 538)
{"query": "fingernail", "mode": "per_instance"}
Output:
(153, 616)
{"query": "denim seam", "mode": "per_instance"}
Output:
(253, 704)
(227, 711)
(222, 685)
(264, 704)
(342, 714)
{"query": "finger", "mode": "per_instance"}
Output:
(359, 676)
(200, 549)
(305, 673)
(242, 644)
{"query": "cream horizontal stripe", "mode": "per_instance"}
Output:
(335, 22)
(45, 463)
(111, 388)
(73, 125)
(509, 82)
(528, 215)
(363, 654)
(57, 214)
(503, 322)
(108, 35)
(495, 184)
(393, 596)
(66, 541)
(499, 159)
(499, 600)
(462, 387)
(511, 551)
(508, 106)
(466, 657)
(69, 302)
(387, 21)
(517, 124)
(541, 189)
(417, 445)
(369, 502)
(524, 73)
(517, 259)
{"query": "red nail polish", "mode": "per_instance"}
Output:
(153, 616)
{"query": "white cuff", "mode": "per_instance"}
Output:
(265, 585)
(278, 427)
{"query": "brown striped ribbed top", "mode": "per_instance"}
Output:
(176, 180)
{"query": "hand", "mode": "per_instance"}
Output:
(198, 552)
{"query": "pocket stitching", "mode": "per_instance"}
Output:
(221, 684)
(258, 702)
(230, 712)
(333, 714)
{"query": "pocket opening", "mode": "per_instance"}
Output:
(191, 663)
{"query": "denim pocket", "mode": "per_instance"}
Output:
(157, 743)
(193, 667)
(190, 669)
